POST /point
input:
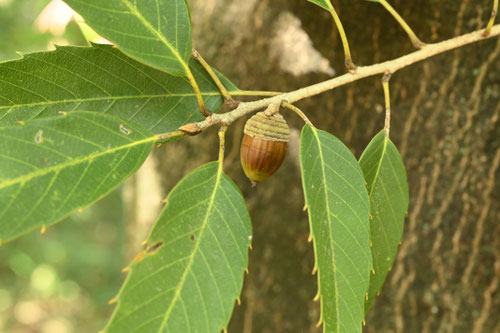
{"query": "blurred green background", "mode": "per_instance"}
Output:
(61, 281)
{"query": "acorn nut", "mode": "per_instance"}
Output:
(263, 147)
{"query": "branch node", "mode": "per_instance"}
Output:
(191, 129)
(231, 103)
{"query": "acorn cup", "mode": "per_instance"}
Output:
(263, 147)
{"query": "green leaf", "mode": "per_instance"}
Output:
(325, 4)
(192, 273)
(156, 32)
(388, 191)
(103, 79)
(53, 166)
(338, 207)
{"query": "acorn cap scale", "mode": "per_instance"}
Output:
(264, 145)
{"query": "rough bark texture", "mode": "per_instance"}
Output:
(445, 122)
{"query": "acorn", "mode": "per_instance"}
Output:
(264, 144)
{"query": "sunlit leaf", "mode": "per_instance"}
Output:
(101, 78)
(156, 32)
(191, 275)
(53, 166)
(338, 207)
(388, 191)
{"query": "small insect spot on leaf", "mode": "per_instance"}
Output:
(310, 238)
(164, 201)
(125, 269)
(154, 248)
(364, 323)
(80, 210)
(63, 113)
(246, 270)
(366, 296)
(373, 271)
(43, 229)
(238, 300)
(192, 238)
(125, 130)
(316, 298)
(250, 237)
(304, 208)
(20, 122)
(39, 137)
(139, 257)
(315, 269)
(250, 247)
(113, 300)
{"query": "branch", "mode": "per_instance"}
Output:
(391, 67)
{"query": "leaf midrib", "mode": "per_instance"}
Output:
(58, 167)
(325, 189)
(106, 98)
(195, 250)
(160, 36)
(379, 166)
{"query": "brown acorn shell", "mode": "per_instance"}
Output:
(264, 146)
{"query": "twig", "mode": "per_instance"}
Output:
(170, 135)
(387, 97)
(362, 72)
(494, 12)
(298, 111)
(227, 97)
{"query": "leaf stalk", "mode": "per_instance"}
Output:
(228, 100)
(494, 12)
(414, 39)
(387, 97)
